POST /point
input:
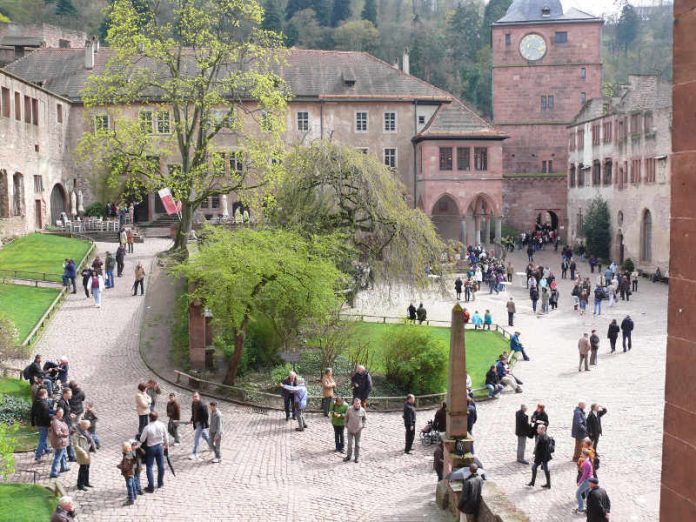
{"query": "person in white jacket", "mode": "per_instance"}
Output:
(97, 286)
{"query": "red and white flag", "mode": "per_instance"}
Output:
(170, 206)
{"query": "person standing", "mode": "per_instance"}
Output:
(41, 419)
(584, 350)
(516, 345)
(199, 421)
(594, 347)
(409, 417)
(120, 256)
(539, 417)
(86, 280)
(82, 447)
(579, 429)
(91, 416)
(300, 394)
(522, 432)
(127, 467)
(174, 416)
(156, 440)
(58, 435)
(70, 273)
(586, 472)
(542, 455)
(439, 460)
(411, 313)
(97, 286)
(458, 287)
(356, 418)
(142, 406)
(139, 279)
(534, 296)
(573, 267)
(109, 263)
(598, 503)
(68, 418)
(122, 236)
(362, 385)
(511, 310)
(130, 237)
(626, 329)
(328, 385)
(216, 430)
(288, 397)
(470, 497)
(131, 213)
(338, 421)
(613, 334)
(421, 313)
(594, 423)
(153, 390)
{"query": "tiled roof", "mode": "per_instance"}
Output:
(308, 73)
(456, 120)
(26, 41)
(533, 11)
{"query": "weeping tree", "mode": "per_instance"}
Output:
(335, 189)
(202, 68)
(596, 228)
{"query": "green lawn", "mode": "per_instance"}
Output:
(25, 305)
(26, 436)
(41, 254)
(482, 348)
(25, 503)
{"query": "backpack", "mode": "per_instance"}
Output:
(552, 445)
(26, 373)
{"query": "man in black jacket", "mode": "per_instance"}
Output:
(613, 334)
(41, 418)
(594, 347)
(594, 423)
(199, 421)
(598, 504)
(470, 497)
(78, 397)
(626, 329)
(410, 422)
(68, 418)
(542, 456)
(522, 431)
(362, 385)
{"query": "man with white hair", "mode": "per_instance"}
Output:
(288, 398)
(355, 422)
(410, 421)
(299, 392)
(65, 511)
(362, 384)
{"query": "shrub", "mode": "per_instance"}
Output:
(14, 409)
(415, 360)
(95, 210)
(280, 372)
(261, 344)
(628, 265)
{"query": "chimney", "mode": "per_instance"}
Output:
(89, 54)
(405, 65)
(395, 65)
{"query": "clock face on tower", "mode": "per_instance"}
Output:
(532, 47)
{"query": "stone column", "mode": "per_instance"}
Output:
(678, 496)
(197, 336)
(478, 230)
(463, 231)
(487, 230)
(456, 387)
(470, 230)
(498, 230)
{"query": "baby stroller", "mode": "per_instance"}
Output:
(429, 435)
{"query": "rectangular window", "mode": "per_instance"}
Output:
(543, 103)
(145, 118)
(303, 121)
(215, 201)
(606, 130)
(581, 175)
(421, 120)
(648, 122)
(583, 73)
(583, 98)
(550, 166)
(35, 111)
(508, 39)
(650, 170)
(596, 173)
(607, 172)
(27, 109)
(543, 166)
(101, 122)
(550, 101)
(571, 176)
(390, 158)
(389, 122)
(205, 203)
(18, 106)
(162, 122)
(59, 112)
(6, 102)
(463, 158)
(38, 184)
(445, 158)
(571, 141)
(581, 139)
(636, 173)
(236, 162)
(547, 102)
(635, 124)
(481, 158)
(561, 37)
(360, 122)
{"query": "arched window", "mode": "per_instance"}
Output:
(571, 176)
(18, 194)
(646, 237)
(4, 195)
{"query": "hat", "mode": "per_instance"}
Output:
(593, 480)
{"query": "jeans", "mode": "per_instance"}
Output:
(136, 483)
(59, 457)
(353, 437)
(494, 390)
(155, 453)
(217, 440)
(69, 281)
(43, 445)
(626, 335)
(110, 278)
(130, 248)
(410, 435)
(521, 446)
(130, 488)
(598, 307)
(96, 440)
(545, 467)
(534, 305)
(325, 405)
(96, 292)
(289, 404)
(200, 432)
(582, 488)
(135, 287)
(142, 422)
(173, 429)
(339, 436)
(300, 419)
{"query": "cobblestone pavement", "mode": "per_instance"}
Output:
(630, 386)
(269, 471)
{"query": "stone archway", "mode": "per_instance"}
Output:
(446, 218)
(620, 249)
(59, 202)
(482, 221)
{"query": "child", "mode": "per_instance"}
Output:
(82, 443)
(127, 467)
(139, 457)
(478, 322)
(487, 320)
(92, 418)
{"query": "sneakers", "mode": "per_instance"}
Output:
(193, 456)
(215, 460)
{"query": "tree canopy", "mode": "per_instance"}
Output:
(596, 228)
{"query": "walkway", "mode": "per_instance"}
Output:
(630, 386)
(269, 472)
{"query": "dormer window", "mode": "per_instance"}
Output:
(348, 78)
(545, 11)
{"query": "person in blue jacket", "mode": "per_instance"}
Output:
(516, 345)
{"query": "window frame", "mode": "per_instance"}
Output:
(102, 122)
(393, 156)
(160, 120)
(481, 159)
(362, 118)
(146, 121)
(393, 122)
(466, 156)
(560, 37)
(302, 121)
(446, 163)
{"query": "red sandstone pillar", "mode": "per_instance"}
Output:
(678, 494)
(197, 336)
(456, 388)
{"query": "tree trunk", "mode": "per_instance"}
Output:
(184, 230)
(233, 367)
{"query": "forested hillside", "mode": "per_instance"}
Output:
(448, 40)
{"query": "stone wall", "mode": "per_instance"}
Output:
(524, 198)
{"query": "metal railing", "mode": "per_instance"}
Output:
(26, 275)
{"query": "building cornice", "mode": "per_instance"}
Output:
(527, 65)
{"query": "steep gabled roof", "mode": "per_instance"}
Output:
(456, 120)
(540, 11)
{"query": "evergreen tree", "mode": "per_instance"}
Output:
(273, 16)
(341, 11)
(596, 229)
(323, 10)
(294, 6)
(627, 27)
(494, 11)
(369, 11)
(65, 8)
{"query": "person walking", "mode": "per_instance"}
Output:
(545, 299)
(522, 432)
(511, 310)
(338, 421)
(174, 417)
(573, 267)
(584, 350)
(127, 467)
(626, 329)
(82, 447)
(41, 419)
(543, 453)
(156, 441)
(120, 257)
(578, 429)
(594, 423)
(97, 286)
(598, 296)
(58, 435)
(142, 407)
(86, 280)
(516, 345)
(598, 506)
(586, 472)
(288, 397)
(421, 313)
(328, 385)
(594, 347)
(613, 334)
(139, 279)
(458, 284)
(534, 296)
(91, 416)
(470, 497)
(300, 395)
(130, 237)
(216, 430)
(199, 421)
(68, 418)
(361, 382)
(409, 417)
(356, 418)
(110, 263)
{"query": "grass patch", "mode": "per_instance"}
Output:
(25, 305)
(482, 347)
(15, 387)
(25, 503)
(40, 254)
(27, 436)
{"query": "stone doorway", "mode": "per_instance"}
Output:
(59, 201)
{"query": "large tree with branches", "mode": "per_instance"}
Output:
(211, 64)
